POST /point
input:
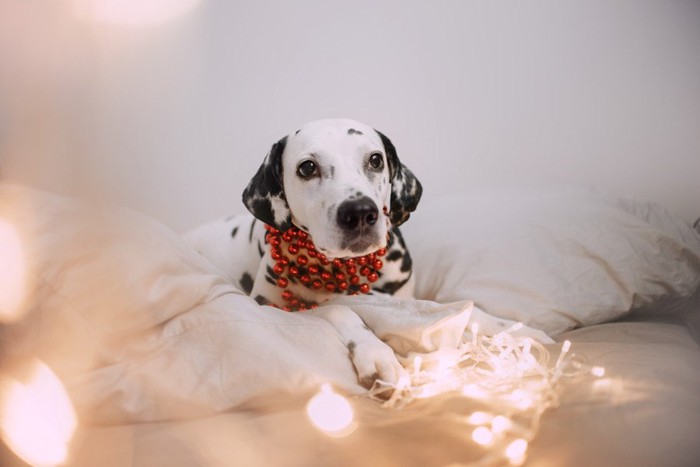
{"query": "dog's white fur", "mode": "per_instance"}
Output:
(343, 165)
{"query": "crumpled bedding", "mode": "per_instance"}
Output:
(142, 329)
(645, 412)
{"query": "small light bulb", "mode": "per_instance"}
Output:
(37, 419)
(516, 451)
(417, 363)
(482, 436)
(500, 424)
(331, 413)
(479, 418)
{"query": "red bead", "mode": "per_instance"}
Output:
(286, 295)
(326, 276)
(310, 245)
(373, 277)
(352, 270)
(364, 288)
(312, 253)
(325, 262)
(303, 235)
(293, 249)
(284, 260)
(339, 276)
(303, 307)
(302, 260)
(362, 261)
(314, 306)
(365, 271)
(287, 236)
(343, 286)
(275, 240)
(282, 282)
(305, 279)
(354, 280)
(330, 286)
(313, 270)
(294, 302)
(276, 253)
(286, 308)
(350, 263)
(301, 243)
(338, 263)
(278, 269)
(381, 252)
(317, 284)
(378, 264)
(294, 270)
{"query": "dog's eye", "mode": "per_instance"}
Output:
(307, 169)
(376, 161)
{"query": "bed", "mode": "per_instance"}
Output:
(164, 362)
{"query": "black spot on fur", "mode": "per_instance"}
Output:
(252, 226)
(406, 190)
(261, 250)
(394, 255)
(392, 287)
(267, 184)
(353, 131)
(262, 300)
(297, 132)
(234, 231)
(271, 277)
(351, 348)
(247, 283)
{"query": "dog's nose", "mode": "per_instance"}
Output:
(356, 213)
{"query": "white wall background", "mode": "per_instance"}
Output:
(173, 118)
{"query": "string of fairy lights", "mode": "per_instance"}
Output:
(510, 377)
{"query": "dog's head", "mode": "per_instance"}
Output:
(339, 180)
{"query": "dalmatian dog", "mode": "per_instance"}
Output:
(335, 192)
(325, 207)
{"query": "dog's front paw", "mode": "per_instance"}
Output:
(374, 360)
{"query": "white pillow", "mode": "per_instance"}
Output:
(553, 260)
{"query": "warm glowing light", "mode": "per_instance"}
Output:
(36, 417)
(500, 424)
(474, 391)
(598, 371)
(331, 413)
(509, 375)
(132, 12)
(482, 435)
(417, 363)
(564, 350)
(479, 418)
(475, 332)
(516, 451)
(12, 273)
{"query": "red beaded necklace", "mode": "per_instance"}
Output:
(298, 261)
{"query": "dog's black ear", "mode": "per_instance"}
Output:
(406, 190)
(264, 196)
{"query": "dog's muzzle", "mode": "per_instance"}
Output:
(356, 215)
